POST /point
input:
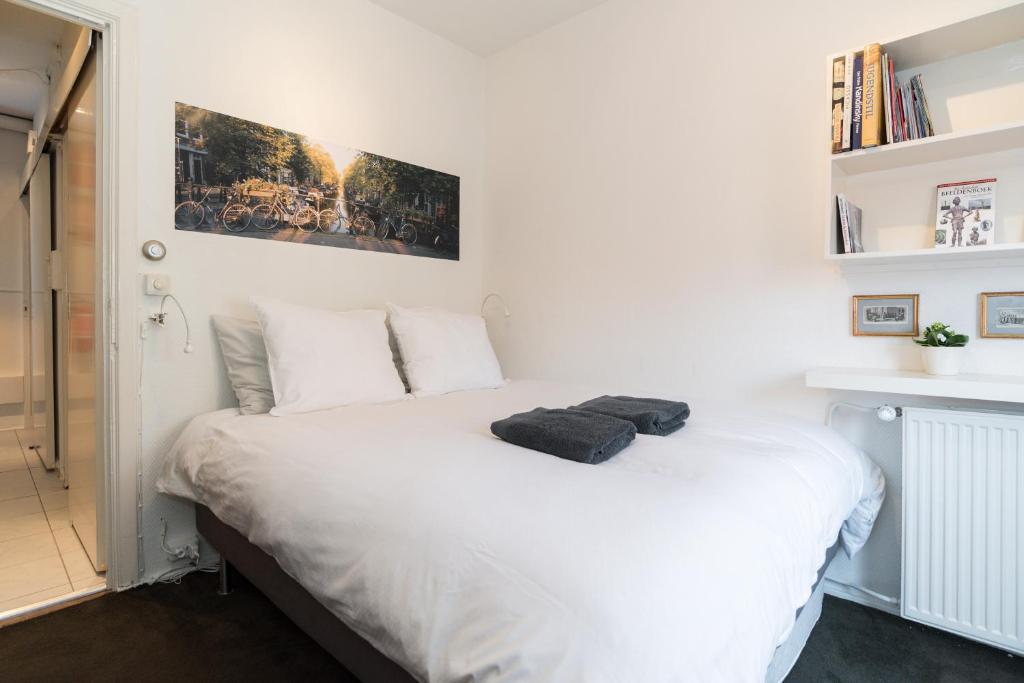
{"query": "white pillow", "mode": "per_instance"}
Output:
(245, 356)
(321, 359)
(444, 351)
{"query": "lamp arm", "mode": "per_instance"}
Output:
(495, 295)
(159, 319)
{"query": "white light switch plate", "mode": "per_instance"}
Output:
(158, 285)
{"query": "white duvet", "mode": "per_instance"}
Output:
(461, 557)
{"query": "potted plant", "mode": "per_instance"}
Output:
(942, 349)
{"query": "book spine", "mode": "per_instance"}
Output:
(908, 104)
(922, 128)
(894, 112)
(838, 92)
(844, 219)
(847, 100)
(887, 97)
(871, 114)
(858, 101)
(904, 132)
(839, 225)
(929, 130)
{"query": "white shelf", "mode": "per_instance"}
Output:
(973, 34)
(928, 150)
(890, 182)
(950, 41)
(965, 256)
(1002, 388)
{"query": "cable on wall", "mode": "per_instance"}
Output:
(884, 412)
(175, 574)
(161, 319)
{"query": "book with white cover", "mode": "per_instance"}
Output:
(845, 246)
(854, 217)
(848, 101)
(965, 216)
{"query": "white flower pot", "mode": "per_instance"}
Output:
(943, 360)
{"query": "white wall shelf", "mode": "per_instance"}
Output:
(973, 82)
(1011, 253)
(929, 150)
(1002, 388)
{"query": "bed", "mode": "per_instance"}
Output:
(413, 544)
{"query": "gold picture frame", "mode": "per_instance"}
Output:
(983, 316)
(885, 327)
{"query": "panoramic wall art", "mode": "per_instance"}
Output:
(237, 177)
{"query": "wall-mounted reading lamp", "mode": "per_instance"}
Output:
(497, 296)
(161, 318)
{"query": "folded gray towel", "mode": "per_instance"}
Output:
(571, 434)
(650, 415)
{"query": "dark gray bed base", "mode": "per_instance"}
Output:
(355, 654)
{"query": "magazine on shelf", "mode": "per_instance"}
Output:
(843, 245)
(854, 217)
(965, 215)
(848, 226)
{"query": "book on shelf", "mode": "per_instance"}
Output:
(890, 136)
(847, 100)
(871, 108)
(838, 93)
(876, 108)
(892, 102)
(858, 101)
(965, 215)
(848, 226)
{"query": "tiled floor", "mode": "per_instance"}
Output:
(40, 554)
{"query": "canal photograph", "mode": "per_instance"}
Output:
(247, 179)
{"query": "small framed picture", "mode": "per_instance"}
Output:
(1002, 315)
(885, 315)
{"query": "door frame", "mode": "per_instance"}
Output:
(119, 435)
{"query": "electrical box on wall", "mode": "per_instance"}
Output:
(158, 284)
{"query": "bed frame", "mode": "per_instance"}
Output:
(365, 661)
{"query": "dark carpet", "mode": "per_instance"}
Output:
(187, 632)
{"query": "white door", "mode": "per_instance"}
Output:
(40, 415)
(82, 252)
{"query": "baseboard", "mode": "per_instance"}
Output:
(8, 422)
(844, 592)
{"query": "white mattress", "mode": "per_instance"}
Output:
(462, 557)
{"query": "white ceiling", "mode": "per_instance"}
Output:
(486, 26)
(29, 41)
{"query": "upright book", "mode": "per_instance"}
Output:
(872, 117)
(847, 100)
(966, 214)
(890, 136)
(848, 226)
(838, 93)
(843, 244)
(858, 100)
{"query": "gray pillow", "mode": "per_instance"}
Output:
(241, 344)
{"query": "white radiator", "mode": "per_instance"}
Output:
(963, 523)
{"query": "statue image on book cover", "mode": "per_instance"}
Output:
(965, 215)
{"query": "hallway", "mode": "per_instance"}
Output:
(40, 555)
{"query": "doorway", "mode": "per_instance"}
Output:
(52, 495)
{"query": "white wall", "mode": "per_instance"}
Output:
(344, 71)
(13, 223)
(656, 197)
